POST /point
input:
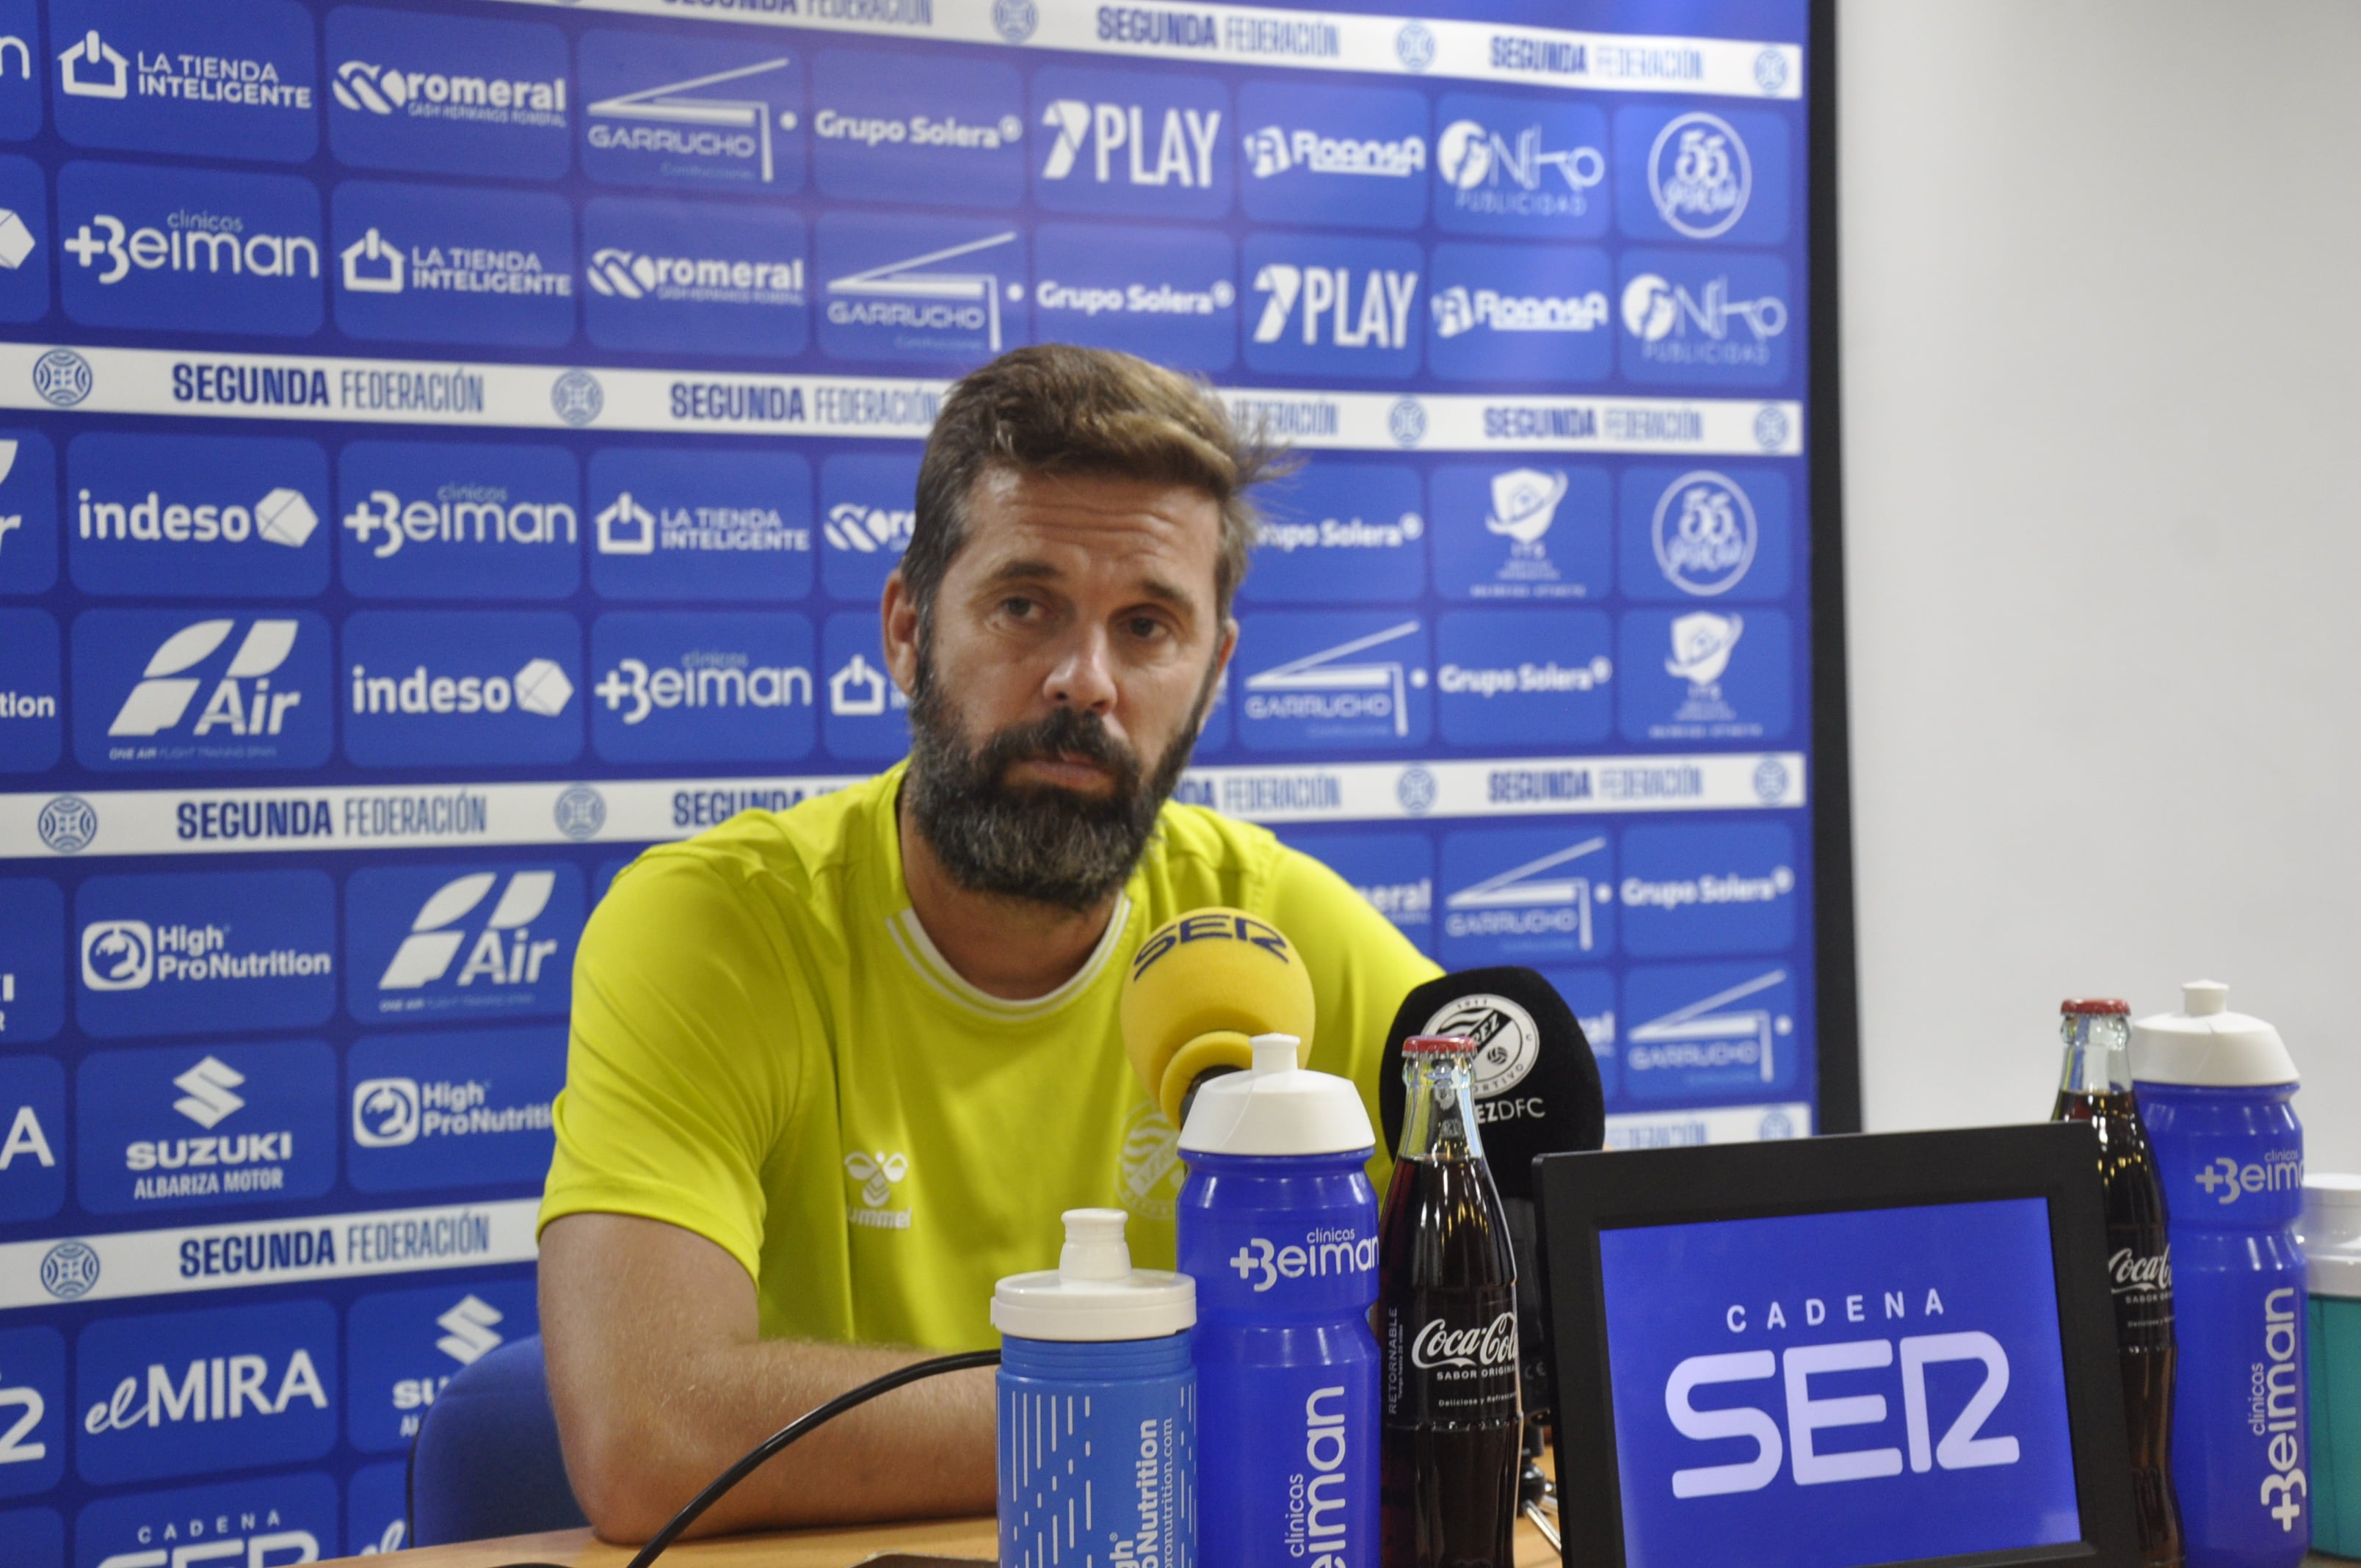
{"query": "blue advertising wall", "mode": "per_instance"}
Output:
(448, 445)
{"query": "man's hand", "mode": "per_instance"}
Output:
(661, 1381)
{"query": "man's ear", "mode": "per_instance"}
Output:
(898, 611)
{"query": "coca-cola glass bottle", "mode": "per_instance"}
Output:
(2095, 1085)
(1447, 1306)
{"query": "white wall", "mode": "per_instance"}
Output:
(2102, 274)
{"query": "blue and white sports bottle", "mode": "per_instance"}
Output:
(1279, 1226)
(1097, 1410)
(2214, 1087)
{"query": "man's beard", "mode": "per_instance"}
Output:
(1037, 842)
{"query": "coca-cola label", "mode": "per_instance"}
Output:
(1451, 1357)
(2141, 1281)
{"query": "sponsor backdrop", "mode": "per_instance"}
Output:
(448, 445)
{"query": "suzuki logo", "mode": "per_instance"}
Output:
(372, 266)
(467, 1331)
(207, 1093)
(426, 953)
(114, 82)
(162, 695)
(385, 1112)
(117, 955)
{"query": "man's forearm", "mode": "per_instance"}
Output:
(661, 1382)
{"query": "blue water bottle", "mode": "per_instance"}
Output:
(1278, 1225)
(1097, 1408)
(2214, 1087)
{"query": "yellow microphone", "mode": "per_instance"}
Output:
(1201, 988)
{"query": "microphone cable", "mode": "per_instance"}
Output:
(810, 1420)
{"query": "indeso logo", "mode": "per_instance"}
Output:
(456, 686)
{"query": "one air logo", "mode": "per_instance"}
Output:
(504, 952)
(468, 1334)
(91, 68)
(165, 691)
(1183, 145)
(209, 1092)
(1374, 312)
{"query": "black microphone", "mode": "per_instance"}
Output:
(1536, 1090)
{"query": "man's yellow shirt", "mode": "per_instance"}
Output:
(768, 1051)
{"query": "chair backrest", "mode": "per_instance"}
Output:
(487, 1462)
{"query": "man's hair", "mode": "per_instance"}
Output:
(1057, 409)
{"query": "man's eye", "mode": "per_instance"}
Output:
(1018, 608)
(1147, 628)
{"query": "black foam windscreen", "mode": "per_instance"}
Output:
(1536, 1083)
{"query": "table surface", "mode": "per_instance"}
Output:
(972, 1540)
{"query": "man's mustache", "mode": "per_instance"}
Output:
(1065, 734)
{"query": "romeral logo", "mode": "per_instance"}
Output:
(218, 1389)
(1704, 533)
(1108, 142)
(703, 686)
(869, 530)
(447, 94)
(1700, 175)
(435, 94)
(459, 686)
(626, 274)
(163, 248)
(226, 691)
(1273, 151)
(498, 940)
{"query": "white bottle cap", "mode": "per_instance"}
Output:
(1277, 1108)
(1094, 1294)
(2205, 1043)
(2332, 1235)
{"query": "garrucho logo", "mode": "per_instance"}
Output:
(184, 1393)
(453, 1110)
(234, 83)
(444, 519)
(162, 249)
(1526, 895)
(233, 1125)
(901, 288)
(182, 515)
(164, 689)
(1335, 680)
(691, 113)
(447, 94)
(428, 943)
(458, 687)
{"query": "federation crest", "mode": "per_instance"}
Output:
(68, 824)
(1015, 20)
(580, 812)
(577, 398)
(1414, 46)
(69, 1269)
(1415, 789)
(1770, 427)
(1406, 421)
(62, 377)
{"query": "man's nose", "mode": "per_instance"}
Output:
(1084, 676)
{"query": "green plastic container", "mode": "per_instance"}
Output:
(2332, 1250)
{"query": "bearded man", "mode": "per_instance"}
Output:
(836, 1070)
